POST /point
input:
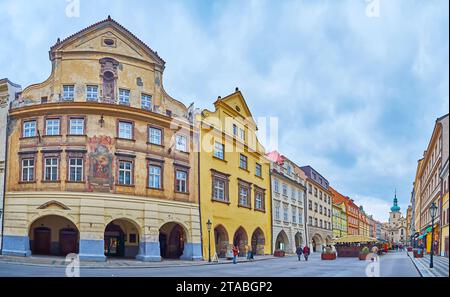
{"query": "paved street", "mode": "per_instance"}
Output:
(391, 265)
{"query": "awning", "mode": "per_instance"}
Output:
(354, 239)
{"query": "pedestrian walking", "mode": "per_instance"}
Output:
(235, 253)
(374, 253)
(299, 252)
(247, 251)
(306, 252)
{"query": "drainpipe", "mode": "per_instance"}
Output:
(198, 185)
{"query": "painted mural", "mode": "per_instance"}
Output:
(100, 164)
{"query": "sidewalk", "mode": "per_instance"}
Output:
(440, 265)
(54, 261)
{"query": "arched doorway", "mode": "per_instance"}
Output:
(317, 243)
(53, 235)
(282, 242)
(121, 239)
(258, 242)
(221, 241)
(298, 239)
(240, 239)
(172, 238)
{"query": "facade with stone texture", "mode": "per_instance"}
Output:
(101, 158)
(8, 91)
(288, 200)
(319, 208)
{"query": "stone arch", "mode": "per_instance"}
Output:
(282, 241)
(328, 240)
(298, 239)
(240, 239)
(53, 234)
(317, 242)
(221, 241)
(173, 237)
(121, 238)
(258, 241)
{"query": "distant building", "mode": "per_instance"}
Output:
(396, 228)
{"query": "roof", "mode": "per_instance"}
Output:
(114, 23)
(354, 239)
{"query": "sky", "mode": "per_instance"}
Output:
(356, 85)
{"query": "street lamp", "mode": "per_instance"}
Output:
(433, 209)
(208, 225)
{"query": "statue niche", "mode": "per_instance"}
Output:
(108, 75)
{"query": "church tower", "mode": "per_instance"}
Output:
(395, 214)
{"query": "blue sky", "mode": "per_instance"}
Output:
(356, 96)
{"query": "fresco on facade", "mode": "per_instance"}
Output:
(100, 163)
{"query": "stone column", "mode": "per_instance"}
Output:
(149, 249)
(92, 229)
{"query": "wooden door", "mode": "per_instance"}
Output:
(42, 241)
(68, 241)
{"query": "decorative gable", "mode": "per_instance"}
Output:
(53, 205)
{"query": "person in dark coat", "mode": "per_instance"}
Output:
(306, 252)
(299, 252)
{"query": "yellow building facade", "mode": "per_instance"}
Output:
(101, 158)
(234, 181)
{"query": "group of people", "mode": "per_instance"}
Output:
(305, 251)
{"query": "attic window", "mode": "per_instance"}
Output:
(108, 42)
(237, 108)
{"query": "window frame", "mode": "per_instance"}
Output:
(186, 171)
(150, 108)
(69, 126)
(240, 161)
(262, 192)
(257, 165)
(83, 166)
(216, 143)
(52, 118)
(90, 92)
(160, 165)
(182, 135)
(160, 129)
(48, 155)
(21, 159)
(242, 184)
(128, 160)
(225, 178)
(64, 92)
(121, 96)
(118, 129)
(24, 121)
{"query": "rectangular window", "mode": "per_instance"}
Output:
(51, 169)
(294, 216)
(277, 211)
(29, 129)
(124, 97)
(243, 162)
(285, 190)
(146, 102)
(125, 130)
(68, 92)
(309, 204)
(155, 135)
(310, 221)
(154, 177)
(181, 143)
(242, 134)
(300, 217)
(219, 150)
(28, 170)
(92, 93)
(258, 170)
(76, 169)
(309, 189)
(316, 207)
(52, 127)
(259, 201)
(244, 194)
(219, 189)
(276, 186)
(235, 130)
(181, 181)
(125, 173)
(321, 224)
(76, 126)
(285, 214)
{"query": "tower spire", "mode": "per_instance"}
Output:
(395, 207)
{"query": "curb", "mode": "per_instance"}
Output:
(415, 265)
(130, 267)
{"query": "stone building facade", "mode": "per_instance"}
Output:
(101, 157)
(319, 209)
(235, 180)
(288, 200)
(8, 91)
(397, 227)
